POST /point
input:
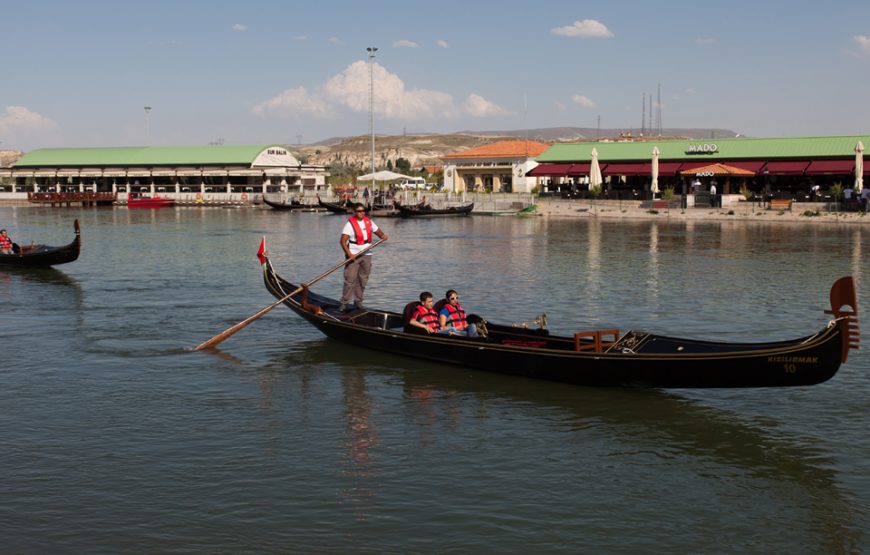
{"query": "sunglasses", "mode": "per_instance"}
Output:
(454, 298)
(360, 211)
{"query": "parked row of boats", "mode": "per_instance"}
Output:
(420, 210)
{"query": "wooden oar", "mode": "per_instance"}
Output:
(219, 338)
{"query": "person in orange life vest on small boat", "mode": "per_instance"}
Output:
(452, 318)
(355, 236)
(424, 316)
(5, 242)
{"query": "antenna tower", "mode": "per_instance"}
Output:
(643, 115)
(659, 109)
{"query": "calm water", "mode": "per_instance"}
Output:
(116, 439)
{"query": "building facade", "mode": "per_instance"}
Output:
(787, 167)
(215, 169)
(499, 167)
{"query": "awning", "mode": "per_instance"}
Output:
(276, 171)
(247, 172)
(667, 168)
(214, 173)
(114, 173)
(68, 173)
(163, 173)
(833, 167)
(753, 165)
(5, 173)
(786, 168)
(91, 173)
(187, 172)
(138, 173)
(551, 170)
(579, 169)
(641, 168)
(44, 173)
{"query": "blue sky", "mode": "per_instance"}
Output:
(81, 73)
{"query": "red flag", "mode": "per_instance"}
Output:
(261, 252)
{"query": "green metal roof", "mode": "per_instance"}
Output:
(142, 156)
(730, 149)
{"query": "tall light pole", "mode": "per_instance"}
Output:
(147, 131)
(371, 50)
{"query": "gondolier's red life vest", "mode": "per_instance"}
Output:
(427, 317)
(357, 239)
(455, 316)
(5, 243)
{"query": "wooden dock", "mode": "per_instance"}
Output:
(68, 199)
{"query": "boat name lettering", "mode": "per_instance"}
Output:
(798, 360)
(706, 148)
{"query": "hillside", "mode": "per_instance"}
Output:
(427, 149)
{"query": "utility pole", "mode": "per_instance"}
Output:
(371, 50)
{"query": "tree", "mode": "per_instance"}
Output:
(403, 165)
(389, 165)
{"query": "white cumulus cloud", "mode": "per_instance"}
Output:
(863, 43)
(442, 44)
(404, 43)
(335, 40)
(20, 128)
(294, 102)
(587, 28)
(479, 107)
(240, 27)
(583, 101)
(19, 118)
(349, 90)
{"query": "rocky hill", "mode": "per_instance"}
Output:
(427, 149)
(9, 157)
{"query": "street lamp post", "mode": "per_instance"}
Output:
(371, 50)
(147, 131)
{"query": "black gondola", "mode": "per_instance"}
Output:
(292, 205)
(426, 211)
(44, 255)
(333, 207)
(599, 357)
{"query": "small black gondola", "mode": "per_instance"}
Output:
(426, 211)
(43, 255)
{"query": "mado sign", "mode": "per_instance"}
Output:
(706, 148)
(704, 174)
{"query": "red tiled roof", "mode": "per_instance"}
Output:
(503, 149)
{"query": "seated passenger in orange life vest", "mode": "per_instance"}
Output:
(5, 242)
(452, 319)
(424, 316)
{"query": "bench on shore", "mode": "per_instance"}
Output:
(780, 204)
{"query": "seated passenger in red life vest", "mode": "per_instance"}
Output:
(452, 318)
(425, 317)
(5, 242)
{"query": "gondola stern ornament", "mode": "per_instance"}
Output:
(844, 308)
(261, 252)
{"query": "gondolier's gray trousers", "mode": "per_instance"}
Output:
(356, 275)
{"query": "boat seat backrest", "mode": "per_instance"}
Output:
(439, 305)
(408, 312)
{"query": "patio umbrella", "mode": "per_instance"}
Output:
(594, 171)
(859, 167)
(382, 175)
(654, 186)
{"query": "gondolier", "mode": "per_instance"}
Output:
(356, 235)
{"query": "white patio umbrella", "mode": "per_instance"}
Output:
(382, 175)
(654, 187)
(859, 167)
(594, 171)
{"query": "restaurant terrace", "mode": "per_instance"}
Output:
(774, 167)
